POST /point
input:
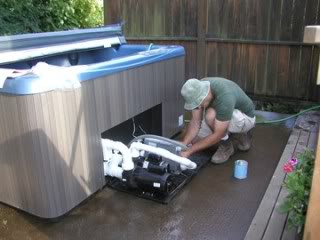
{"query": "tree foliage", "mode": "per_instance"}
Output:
(29, 16)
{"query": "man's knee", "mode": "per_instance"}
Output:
(240, 122)
(210, 117)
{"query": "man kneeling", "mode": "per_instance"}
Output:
(219, 107)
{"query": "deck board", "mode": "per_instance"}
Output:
(277, 220)
(262, 217)
(268, 222)
(289, 233)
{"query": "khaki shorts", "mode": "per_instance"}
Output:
(239, 123)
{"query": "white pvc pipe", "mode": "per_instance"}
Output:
(127, 163)
(107, 152)
(185, 163)
(111, 168)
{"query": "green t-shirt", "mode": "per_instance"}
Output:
(227, 97)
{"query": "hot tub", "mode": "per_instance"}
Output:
(62, 91)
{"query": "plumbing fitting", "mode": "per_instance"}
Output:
(185, 163)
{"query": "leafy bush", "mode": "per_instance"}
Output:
(298, 183)
(281, 107)
(31, 16)
(88, 14)
(18, 17)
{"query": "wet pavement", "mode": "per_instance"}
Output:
(213, 205)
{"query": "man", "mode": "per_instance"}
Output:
(219, 106)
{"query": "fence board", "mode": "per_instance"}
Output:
(304, 75)
(177, 20)
(318, 16)
(152, 14)
(214, 19)
(298, 19)
(253, 42)
(201, 43)
(283, 71)
(312, 11)
(236, 63)
(263, 19)
(191, 19)
(112, 11)
(212, 59)
(243, 19)
(248, 19)
(272, 70)
(286, 16)
(224, 15)
(244, 66)
(225, 60)
(275, 20)
(154, 18)
(315, 91)
(295, 60)
(252, 69)
(252, 19)
(234, 28)
(261, 62)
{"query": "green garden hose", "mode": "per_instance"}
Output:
(292, 116)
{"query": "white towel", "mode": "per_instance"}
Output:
(10, 73)
(50, 76)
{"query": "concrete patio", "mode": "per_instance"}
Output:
(213, 205)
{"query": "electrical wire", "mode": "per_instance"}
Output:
(134, 128)
(142, 130)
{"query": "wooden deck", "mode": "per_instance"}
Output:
(268, 223)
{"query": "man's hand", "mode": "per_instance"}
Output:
(220, 129)
(186, 153)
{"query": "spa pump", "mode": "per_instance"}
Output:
(149, 166)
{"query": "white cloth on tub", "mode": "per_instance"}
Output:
(53, 77)
(59, 77)
(10, 73)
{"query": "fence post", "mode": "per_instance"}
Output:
(312, 35)
(201, 42)
(112, 12)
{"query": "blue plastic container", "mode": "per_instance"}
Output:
(240, 169)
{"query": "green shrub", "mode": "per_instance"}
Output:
(278, 107)
(18, 17)
(298, 182)
(31, 16)
(88, 14)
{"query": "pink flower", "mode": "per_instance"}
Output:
(287, 168)
(293, 162)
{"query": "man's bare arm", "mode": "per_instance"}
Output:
(219, 132)
(193, 126)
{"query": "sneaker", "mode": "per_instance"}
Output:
(224, 152)
(242, 141)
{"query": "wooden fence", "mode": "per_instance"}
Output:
(256, 43)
